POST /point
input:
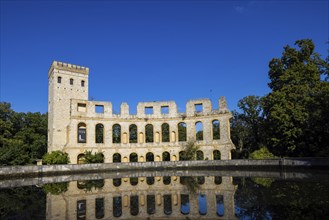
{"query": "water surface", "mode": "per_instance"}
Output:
(165, 195)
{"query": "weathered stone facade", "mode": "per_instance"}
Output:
(72, 121)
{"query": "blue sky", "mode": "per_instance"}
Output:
(152, 50)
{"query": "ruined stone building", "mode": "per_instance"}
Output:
(158, 132)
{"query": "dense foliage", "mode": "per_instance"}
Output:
(23, 136)
(265, 198)
(292, 120)
(262, 153)
(190, 151)
(28, 202)
(56, 157)
(55, 188)
(89, 157)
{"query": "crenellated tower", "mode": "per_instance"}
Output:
(65, 82)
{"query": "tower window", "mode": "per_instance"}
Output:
(82, 83)
(59, 79)
(71, 81)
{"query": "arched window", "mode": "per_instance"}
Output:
(150, 180)
(182, 131)
(198, 131)
(117, 206)
(200, 180)
(150, 204)
(182, 155)
(149, 157)
(81, 159)
(202, 200)
(134, 206)
(166, 180)
(81, 209)
(116, 135)
(218, 180)
(184, 204)
(215, 130)
(133, 133)
(116, 158)
(149, 133)
(199, 155)
(99, 137)
(133, 157)
(59, 79)
(216, 154)
(71, 81)
(166, 156)
(220, 205)
(116, 182)
(82, 133)
(133, 181)
(165, 132)
(167, 207)
(99, 208)
(82, 83)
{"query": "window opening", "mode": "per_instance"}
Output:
(198, 107)
(164, 110)
(99, 108)
(148, 110)
(82, 107)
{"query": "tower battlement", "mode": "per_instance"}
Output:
(68, 67)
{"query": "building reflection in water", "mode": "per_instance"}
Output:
(145, 197)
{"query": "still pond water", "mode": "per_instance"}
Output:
(169, 195)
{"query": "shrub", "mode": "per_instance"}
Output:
(189, 152)
(55, 188)
(262, 153)
(56, 157)
(93, 158)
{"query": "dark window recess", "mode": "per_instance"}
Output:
(71, 81)
(59, 79)
(82, 83)
(82, 135)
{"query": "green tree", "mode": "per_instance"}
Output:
(55, 188)
(296, 110)
(23, 136)
(56, 157)
(93, 158)
(247, 126)
(189, 152)
(262, 153)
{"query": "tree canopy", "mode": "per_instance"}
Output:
(23, 136)
(293, 119)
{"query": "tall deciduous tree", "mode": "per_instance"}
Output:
(296, 110)
(23, 136)
(247, 125)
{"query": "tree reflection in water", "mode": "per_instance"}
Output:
(191, 183)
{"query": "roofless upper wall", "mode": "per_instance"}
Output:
(147, 109)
